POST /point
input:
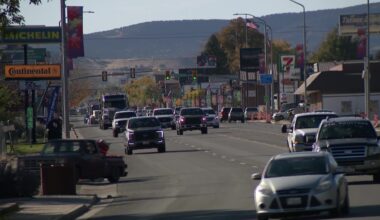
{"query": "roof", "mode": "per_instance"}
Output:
(347, 118)
(300, 154)
(314, 113)
(350, 73)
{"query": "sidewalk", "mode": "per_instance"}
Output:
(46, 207)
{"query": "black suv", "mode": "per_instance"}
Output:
(236, 114)
(353, 142)
(191, 119)
(144, 133)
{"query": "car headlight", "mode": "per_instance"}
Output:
(160, 134)
(324, 186)
(264, 189)
(298, 139)
(373, 150)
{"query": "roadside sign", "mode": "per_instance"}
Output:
(48, 71)
(28, 35)
(29, 117)
(265, 79)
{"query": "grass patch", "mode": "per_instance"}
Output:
(25, 148)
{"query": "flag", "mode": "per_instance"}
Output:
(252, 24)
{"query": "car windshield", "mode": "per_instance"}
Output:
(125, 115)
(226, 109)
(311, 121)
(297, 166)
(57, 147)
(163, 112)
(237, 110)
(251, 110)
(143, 123)
(191, 111)
(347, 129)
(209, 111)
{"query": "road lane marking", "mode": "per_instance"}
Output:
(213, 154)
(242, 163)
(223, 157)
(252, 141)
(232, 160)
(199, 148)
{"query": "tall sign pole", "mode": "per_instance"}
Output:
(367, 75)
(65, 98)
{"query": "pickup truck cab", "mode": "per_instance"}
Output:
(302, 130)
(83, 154)
(191, 119)
(165, 116)
(353, 143)
(120, 120)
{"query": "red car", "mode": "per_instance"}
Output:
(223, 114)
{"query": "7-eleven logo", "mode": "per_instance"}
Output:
(288, 62)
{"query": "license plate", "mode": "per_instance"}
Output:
(145, 142)
(294, 201)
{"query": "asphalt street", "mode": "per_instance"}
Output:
(202, 176)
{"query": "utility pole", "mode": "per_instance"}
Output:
(367, 75)
(64, 77)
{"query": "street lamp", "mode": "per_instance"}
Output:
(304, 52)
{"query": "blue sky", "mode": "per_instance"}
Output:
(110, 14)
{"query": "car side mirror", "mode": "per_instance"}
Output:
(256, 176)
(284, 128)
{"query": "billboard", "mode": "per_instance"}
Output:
(250, 59)
(206, 61)
(28, 35)
(34, 54)
(350, 24)
(51, 71)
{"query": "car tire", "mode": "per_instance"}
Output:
(115, 175)
(180, 132)
(346, 205)
(173, 127)
(336, 212)
(215, 126)
(204, 130)
(376, 178)
(115, 133)
(129, 151)
(242, 121)
(229, 120)
(261, 217)
(161, 149)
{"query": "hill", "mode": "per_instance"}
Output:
(173, 39)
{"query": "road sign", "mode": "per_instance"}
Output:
(265, 79)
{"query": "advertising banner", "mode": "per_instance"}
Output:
(52, 103)
(49, 71)
(206, 61)
(75, 31)
(350, 24)
(250, 59)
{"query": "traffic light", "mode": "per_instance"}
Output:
(104, 76)
(167, 75)
(133, 72)
(194, 75)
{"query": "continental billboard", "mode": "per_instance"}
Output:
(50, 71)
(350, 24)
(28, 35)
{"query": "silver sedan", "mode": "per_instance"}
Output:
(301, 183)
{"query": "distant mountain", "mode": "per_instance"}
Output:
(173, 39)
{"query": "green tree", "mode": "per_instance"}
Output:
(10, 12)
(335, 48)
(9, 101)
(142, 92)
(213, 47)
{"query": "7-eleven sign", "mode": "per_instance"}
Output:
(288, 62)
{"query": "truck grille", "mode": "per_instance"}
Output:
(293, 191)
(193, 120)
(145, 135)
(34, 165)
(285, 205)
(349, 155)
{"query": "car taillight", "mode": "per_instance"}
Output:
(131, 136)
(204, 118)
(182, 119)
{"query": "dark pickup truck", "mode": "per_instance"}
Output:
(83, 154)
(191, 119)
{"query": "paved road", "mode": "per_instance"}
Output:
(203, 176)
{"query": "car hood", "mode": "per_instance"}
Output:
(145, 129)
(164, 116)
(347, 141)
(306, 131)
(293, 182)
(120, 119)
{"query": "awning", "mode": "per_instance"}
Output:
(309, 80)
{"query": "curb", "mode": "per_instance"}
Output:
(8, 208)
(79, 210)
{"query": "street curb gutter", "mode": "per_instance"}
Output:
(8, 208)
(79, 210)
